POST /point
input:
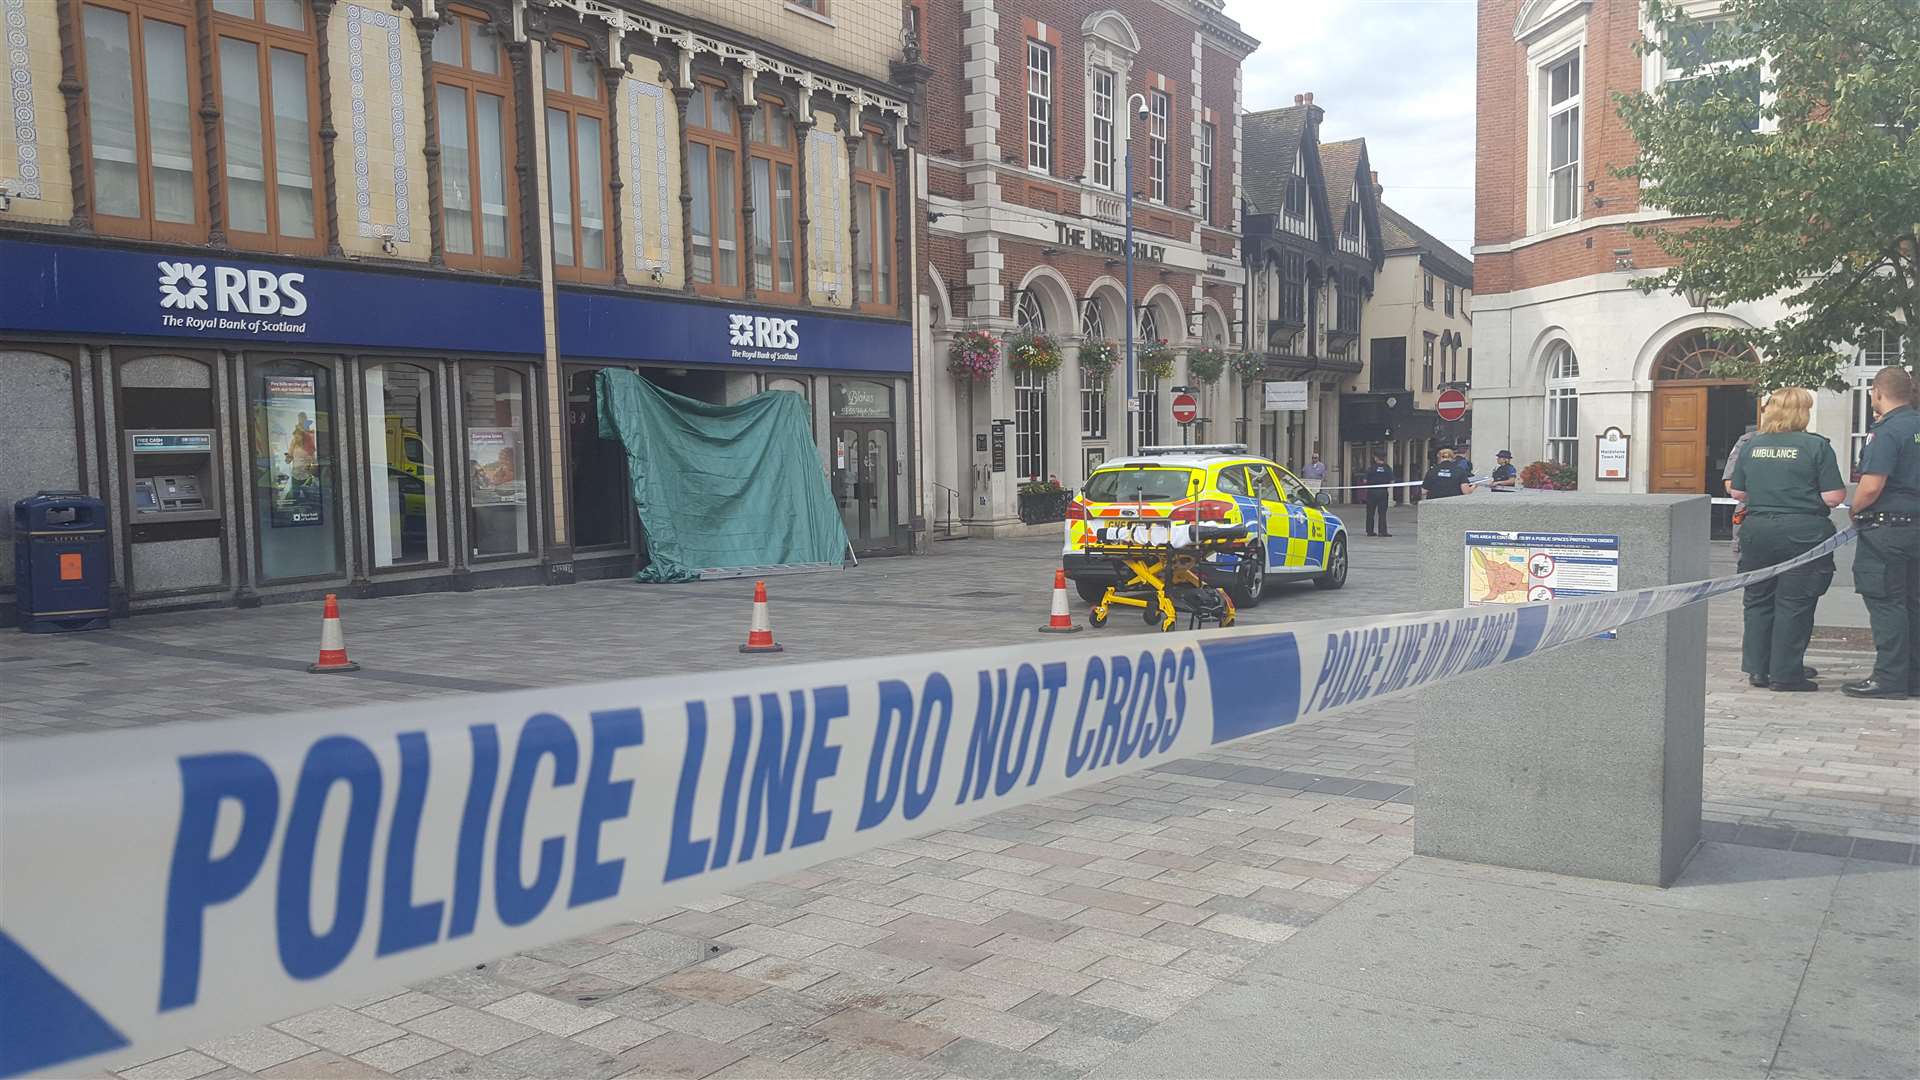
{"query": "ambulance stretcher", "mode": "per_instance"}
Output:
(1163, 571)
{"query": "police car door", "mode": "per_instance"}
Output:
(1273, 512)
(1304, 540)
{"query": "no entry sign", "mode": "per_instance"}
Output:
(1451, 404)
(1185, 408)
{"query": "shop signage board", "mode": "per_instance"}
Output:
(860, 400)
(194, 294)
(1286, 396)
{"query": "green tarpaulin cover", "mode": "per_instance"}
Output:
(721, 486)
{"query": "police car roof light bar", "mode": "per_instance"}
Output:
(1197, 448)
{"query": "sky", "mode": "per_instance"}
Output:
(1398, 72)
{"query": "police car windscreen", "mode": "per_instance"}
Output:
(1146, 484)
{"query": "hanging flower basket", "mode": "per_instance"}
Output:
(1247, 365)
(1038, 353)
(1206, 365)
(974, 355)
(1097, 361)
(1155, 360)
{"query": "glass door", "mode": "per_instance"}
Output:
(863, 483)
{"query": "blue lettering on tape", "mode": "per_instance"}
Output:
(197, 880)
(403, 923)
(42, 1021)
(516, 900)
(473, 829)
(337, 759)
(1527, 632)
(1256, 684)
(603, 800)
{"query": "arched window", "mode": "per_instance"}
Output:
(1029, 396)
(1694, 354)
(577, 162)
(1027, 313)
(269, 141)
(1563, 404)
(143, 152)
(1093, 320)
(473, 99)
(1149, 324)
(773, 163)
(714, 185)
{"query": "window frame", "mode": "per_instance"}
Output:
(1040, 68)
(146, 226)
(1562, 385)
(472, 82)
(1450, 294)
(267, 37)
(771, 109)
(1208, 135)
(1296, 203)
(1426, 288)
(568, 101)
(1551, 111)
(716, 140)
(1103, 133)
(1867, 363)
(433, 408)
(1159, 112)
(1426, 362)
(1663, 71)
(875, 181)
(1293, 289)
(529, 475)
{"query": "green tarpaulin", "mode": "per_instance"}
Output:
(721, 486)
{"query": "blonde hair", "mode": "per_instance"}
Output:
(1786, 410)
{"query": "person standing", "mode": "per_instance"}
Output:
(1447, 478)
(1315, 473)
(1886, 570)
(1378, 481)
(1726, 478)
(1789, 480)
(1463, 460)
(1505, 476)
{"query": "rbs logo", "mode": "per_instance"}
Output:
(244, 292)
(761, 332)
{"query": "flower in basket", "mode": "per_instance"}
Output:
(1550, 476)
(1033, 352)
(1097, 361)
(1049, 486)
(1155, 359)
(1247, 365)
(974, 355)
(1206, 365)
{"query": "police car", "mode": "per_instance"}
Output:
(1294, 536)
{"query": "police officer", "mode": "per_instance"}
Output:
(1447, 478)
(1377, 480)
(1886, 570)
(1790, 480)
(1505, 476)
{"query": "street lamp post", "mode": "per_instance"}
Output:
(1133, 401)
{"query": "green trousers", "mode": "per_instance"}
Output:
(1779, 612)
(1886, 574)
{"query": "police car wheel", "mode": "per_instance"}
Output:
(1251, 583)
(1336, 572)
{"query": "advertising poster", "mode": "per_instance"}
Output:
(493, 453)
(292, 452)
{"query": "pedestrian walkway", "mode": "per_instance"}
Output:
(1065, 938)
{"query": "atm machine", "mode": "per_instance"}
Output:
(174, 511)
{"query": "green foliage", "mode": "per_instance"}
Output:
(1206, 365)
(1098, 359)
(1154, 359)
(1038, 353)
(1800, 177)
(1248, 365)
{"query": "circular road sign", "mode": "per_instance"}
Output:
(1451, 404)
(1185, 408)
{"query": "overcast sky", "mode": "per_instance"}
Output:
(1398, 73)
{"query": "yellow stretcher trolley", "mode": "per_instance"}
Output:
(1163, 575)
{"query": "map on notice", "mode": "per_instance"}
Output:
(1527, 568)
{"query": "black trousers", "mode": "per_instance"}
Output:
(1376, 511)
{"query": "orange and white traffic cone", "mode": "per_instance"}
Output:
(760, 631)
(1060, 622)
(333, 642)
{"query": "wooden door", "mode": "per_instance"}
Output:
(1679, 460)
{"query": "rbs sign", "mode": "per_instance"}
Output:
(236, 292)
(761, 337)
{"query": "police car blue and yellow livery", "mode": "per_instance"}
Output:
(1217, 484)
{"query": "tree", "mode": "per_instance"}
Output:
(1785, 136)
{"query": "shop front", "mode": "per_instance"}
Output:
(267, 430)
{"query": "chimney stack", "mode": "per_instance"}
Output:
(1309, 96)
(1299, 99)
(1377, 189)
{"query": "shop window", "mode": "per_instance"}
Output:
(577, 163)
(143, 131)
(473, 97)
(600, 504)
(494, 406)
(714, 185)
(294, 479)
(401, 474)
(269, 141)
(772, 164)
(873, 209)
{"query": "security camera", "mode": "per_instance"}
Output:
(1139, 103)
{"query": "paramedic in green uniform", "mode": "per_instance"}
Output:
(1886, 570)
(1789, 480)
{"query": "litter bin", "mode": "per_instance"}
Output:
(60, 562)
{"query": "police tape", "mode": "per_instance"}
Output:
(166, 885)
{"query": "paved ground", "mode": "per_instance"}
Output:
(1039, 942)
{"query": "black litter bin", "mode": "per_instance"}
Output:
(60, 562)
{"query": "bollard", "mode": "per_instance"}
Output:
(1586, 761)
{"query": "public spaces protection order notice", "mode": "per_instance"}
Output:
(168, 884)
(1537, 568)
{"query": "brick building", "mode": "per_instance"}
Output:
(395, 242)
(1029, 115)
(1568, 350)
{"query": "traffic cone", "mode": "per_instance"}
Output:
(760, 631)
(1060, 622)
(333, 643)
